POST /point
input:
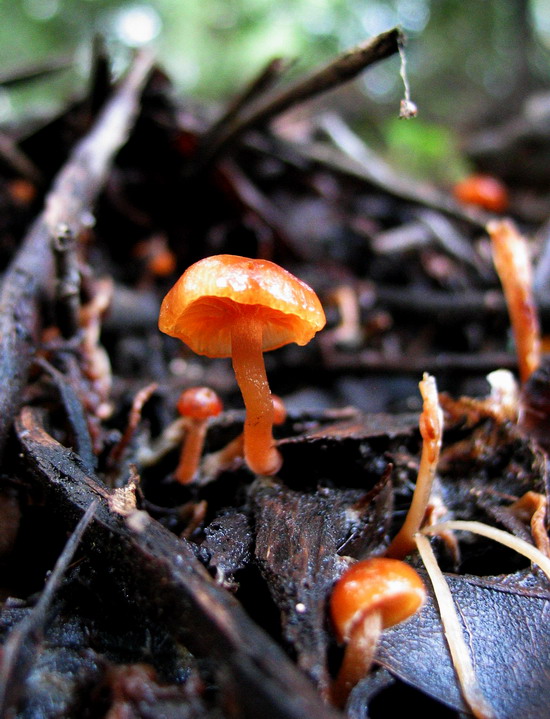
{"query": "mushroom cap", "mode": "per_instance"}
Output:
(199, 403)
(483, 190)
(201, 306)
(279, 409)
(378, 584)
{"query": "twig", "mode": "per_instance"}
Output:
(252, 669)
(458, 648)
(497, 535)
(257, 205)
(12, 154)
(36, 70)
(450, 240)
(134, 418)
(74, 408)
(20, 648)
(269, 74)
(407, 362)
(68, 204)
(67, 283)
(352, 157)
(343, 68)
(448, 306)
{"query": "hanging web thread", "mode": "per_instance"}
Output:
(407, 108)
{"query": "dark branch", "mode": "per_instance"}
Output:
(253, 670)
(21, 646)
(258, 85)
(342, 69)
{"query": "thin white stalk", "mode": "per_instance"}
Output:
(498, 535)
(458, 648)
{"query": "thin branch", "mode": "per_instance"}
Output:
(14, 156)
(458, 648)
(250, 667)
(406, 362)
(35, 70)
(342, 69)
(351, 156)
(20, 648)
(76, 414)
(267, 77)
(497, 535)
(67, 282)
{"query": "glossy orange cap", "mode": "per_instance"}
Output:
(201, 305)
(379, 584)
(483, 190)
(199, 403)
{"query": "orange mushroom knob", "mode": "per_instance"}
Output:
(370, 596)
(197, 404)
(231, 306)
(484, 191)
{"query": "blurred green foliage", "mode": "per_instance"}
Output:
(424, 149)
(469, 61)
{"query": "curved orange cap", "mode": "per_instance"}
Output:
(378, 584)
(211, 293)
(483, 190)
(199, 403)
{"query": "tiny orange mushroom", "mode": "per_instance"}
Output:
(484, 191)
(370, 596)
(232, 306)
(197, 405)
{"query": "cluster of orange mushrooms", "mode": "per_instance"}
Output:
(231, 306)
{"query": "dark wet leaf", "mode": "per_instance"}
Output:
(506, 629)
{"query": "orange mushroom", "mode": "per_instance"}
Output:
(231, 306)
(197, 404)
(370, 596)
(484, 191)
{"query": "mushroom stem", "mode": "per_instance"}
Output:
(191, 450)
(214, 463)
(431, 429)
(248, 363)
(358, 656)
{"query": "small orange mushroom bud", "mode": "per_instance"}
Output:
(484, 191)
(370, 596)
(197, 404)
(158, 259)
(231, 306)
(22, 191)
(162, 263)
